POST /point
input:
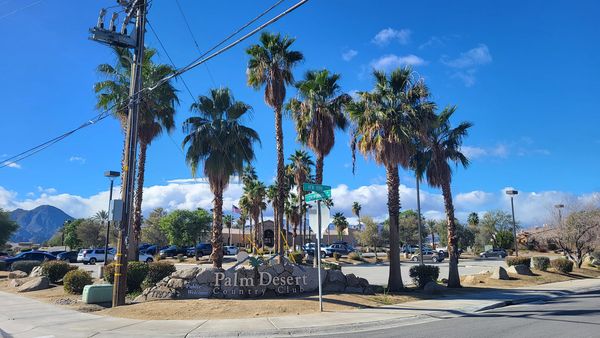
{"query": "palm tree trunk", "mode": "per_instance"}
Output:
(262, 226)
(244, 235)
(287, 227)
(251, 234)
(217, 231)
(433, 240)
(294, 234)
(134, 238)
(229, 236)
(280, 176)
(453, 276)
(300, 209)
(256, 232)
(319, 169)
(393, 183)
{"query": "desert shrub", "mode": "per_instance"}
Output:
(180, 258)
(109, 273)
(296, 256)
(25, 266)
(540, 263)
(75, 280)
(423, 274)
(355, 256)
(337, 256)
(56, 270)
(136, 273)
(510, 261)
(330, 266)
(156, 272)
(562, 265)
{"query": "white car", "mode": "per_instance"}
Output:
(144, 257)
(91, 256)
(230, 250)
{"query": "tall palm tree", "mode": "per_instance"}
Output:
(157, 114)
(356, 207)
(442, 145)
(317, 112)
(228, 220)
(300, 168)
(270, 65)
(431, 227)
(245, 207)
(341, 223)
(100, 216)
(219, 141)
(254, 196)
(241, 224)
(384, 123)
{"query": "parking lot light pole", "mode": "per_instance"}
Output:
(111, 176)
(513, 193)
(559, 207)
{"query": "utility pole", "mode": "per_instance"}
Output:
(109, 36)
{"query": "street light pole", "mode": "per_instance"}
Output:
(111, 176)
(418, 222)
(512, 193)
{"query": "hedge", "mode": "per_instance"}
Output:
(423, 274)
(156, 272)
(541, 263)
(510, 261)
(75, 280)
(136, 273)
(562, 265)
(25, 266)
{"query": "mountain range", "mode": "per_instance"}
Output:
(39, 224)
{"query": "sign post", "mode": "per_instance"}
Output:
(318, 255)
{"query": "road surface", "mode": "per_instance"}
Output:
(572, 316)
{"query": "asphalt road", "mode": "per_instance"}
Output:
(378, 274)
(572, 316)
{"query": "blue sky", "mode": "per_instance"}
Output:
(525, 73)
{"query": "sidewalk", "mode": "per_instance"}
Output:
(24, 317)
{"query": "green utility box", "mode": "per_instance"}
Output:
(97, 293)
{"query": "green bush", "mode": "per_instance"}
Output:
(337, 256)
(109, 273)
(541, 263)
(56, 270)
(136, 273)
(156, 272)
(75, 280)
(510, 261)
(25, 266)
(296, 256)
(562, 265)
(423, 274)
(355, 256)
(331, 266)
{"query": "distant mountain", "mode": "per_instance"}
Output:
(39, 224)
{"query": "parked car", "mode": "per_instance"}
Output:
(68, 256)
(342, 249)
(56, 252)
(428, 255)
(4, 255)
(493, 253)
(411, 249)
(172, 251)
(309, 249)
(144, 257)
(230, 250)
(150, 249)
(203, 250)
(39, 256)
(91, 256)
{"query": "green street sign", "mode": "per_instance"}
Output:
(316, 196)
(316, 187)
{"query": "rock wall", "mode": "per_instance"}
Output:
(244, 282)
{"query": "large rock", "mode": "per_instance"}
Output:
(17, 274)
(186, 274)
(499, 273)
(520, 269)
(160, 293)
(38, 283)
(36, 272)
(335, 282)
(433, 288)
(470, 279)
(15, 283)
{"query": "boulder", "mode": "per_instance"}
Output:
(36, 272)
(352, 280)
(353, 289)
(38, 283)
(471, 279)
(161, 293)
(520, 269)
(499, 273)
(335, 282)
(17, 274)
(186, 274)
(433, 288)
(15, 283)
(176, 283)
(207, 275)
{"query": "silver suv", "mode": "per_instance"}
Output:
(91, 256)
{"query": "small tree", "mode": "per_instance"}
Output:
(7, 227)
(370, 236)
(151, 230)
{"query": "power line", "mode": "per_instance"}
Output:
(20, 9)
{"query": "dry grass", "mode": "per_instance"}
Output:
(538, 277)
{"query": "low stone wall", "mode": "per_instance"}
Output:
(282, 279)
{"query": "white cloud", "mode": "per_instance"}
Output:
(531, 208)
(77, 159)
(473, 152)
(12, 165)
(46, 190)
(391, 61)
(385, 36)
(465, 66)
(349, 54)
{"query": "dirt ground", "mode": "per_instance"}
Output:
(538, 277)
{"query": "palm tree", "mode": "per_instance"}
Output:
(218, 140)
(356, 207)
(300, 168)
(341, 224)
(317, 112)
(270, 65)
(241, 224)
(228, 220)
(443, 145)
(253, 197)
(157, 112)
(100, 216)
(384, 122)
(245, 207)
(431, 227)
